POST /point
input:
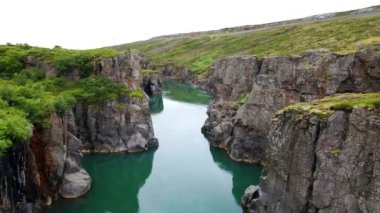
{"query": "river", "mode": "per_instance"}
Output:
(183, 175)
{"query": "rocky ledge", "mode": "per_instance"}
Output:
(122, 125)
(248, 91)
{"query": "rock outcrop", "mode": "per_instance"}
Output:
(48, 166)
(40, 170)
(248, 91)
(57, 155)
(122, 125)
(13, 181)
(152, 84)
(171, 72)
(321, 166)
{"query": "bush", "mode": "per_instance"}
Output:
(64, 103)
(98, 89)
(13, 126)
(28, 75)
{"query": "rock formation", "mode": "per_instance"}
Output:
(321, 166)
(248, 91)
(152, 84)
(123, 125)
(48, 166)
(171, 72)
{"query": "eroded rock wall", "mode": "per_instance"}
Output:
(171, 72)
(314, 166)
(248, 91)
(117, 125)
(48, 166)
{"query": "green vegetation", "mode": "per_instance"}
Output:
(243, 99)
(12, 58)
(323, 108)
(336, 152)
(137, 93)
(13, 126)
(340, 35)
(147, 72)
(27, 97)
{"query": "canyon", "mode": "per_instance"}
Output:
(301, 153)
(309, 116)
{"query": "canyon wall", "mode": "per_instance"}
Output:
(171, 72)
(248, 91)
(48, 166)
(321, 166)
(119, 125)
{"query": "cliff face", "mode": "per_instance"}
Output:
(48, 166)
(248, 91)
(315, 166)
(123, 125)
(12, 179)
(57, 155)
(42, 169)
(171, 72)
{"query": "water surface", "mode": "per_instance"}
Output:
(183, 175)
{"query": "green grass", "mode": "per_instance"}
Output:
(147, 72)
(325, 107)
(340, 35)
(137, 93)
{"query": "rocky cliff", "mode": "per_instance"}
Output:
(321, 162)
(48, 166)
(40, 170)
(119, 125)
(248, 91)
(171, 72)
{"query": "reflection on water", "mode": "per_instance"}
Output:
(243, 174)
(156, 104)
(116, 181)
(186, 175)
(185, 93)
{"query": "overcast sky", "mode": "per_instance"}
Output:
(82, 24)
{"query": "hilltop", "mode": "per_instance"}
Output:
(341, 33)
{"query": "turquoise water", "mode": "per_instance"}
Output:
(183, 175)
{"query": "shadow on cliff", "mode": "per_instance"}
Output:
(243, 174)
(116, 182)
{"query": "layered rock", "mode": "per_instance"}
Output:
(118, 125)
(57, 155)
(48, 166)
(248, 91)
(321, 166)
(13, 182)
(171, 72)
(42, 169)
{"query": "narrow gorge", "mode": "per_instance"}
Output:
(273, 118)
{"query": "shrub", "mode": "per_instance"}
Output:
(13, 126)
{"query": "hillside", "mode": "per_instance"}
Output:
(341, 33)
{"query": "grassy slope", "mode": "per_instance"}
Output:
(324, 107)
(341, 35)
